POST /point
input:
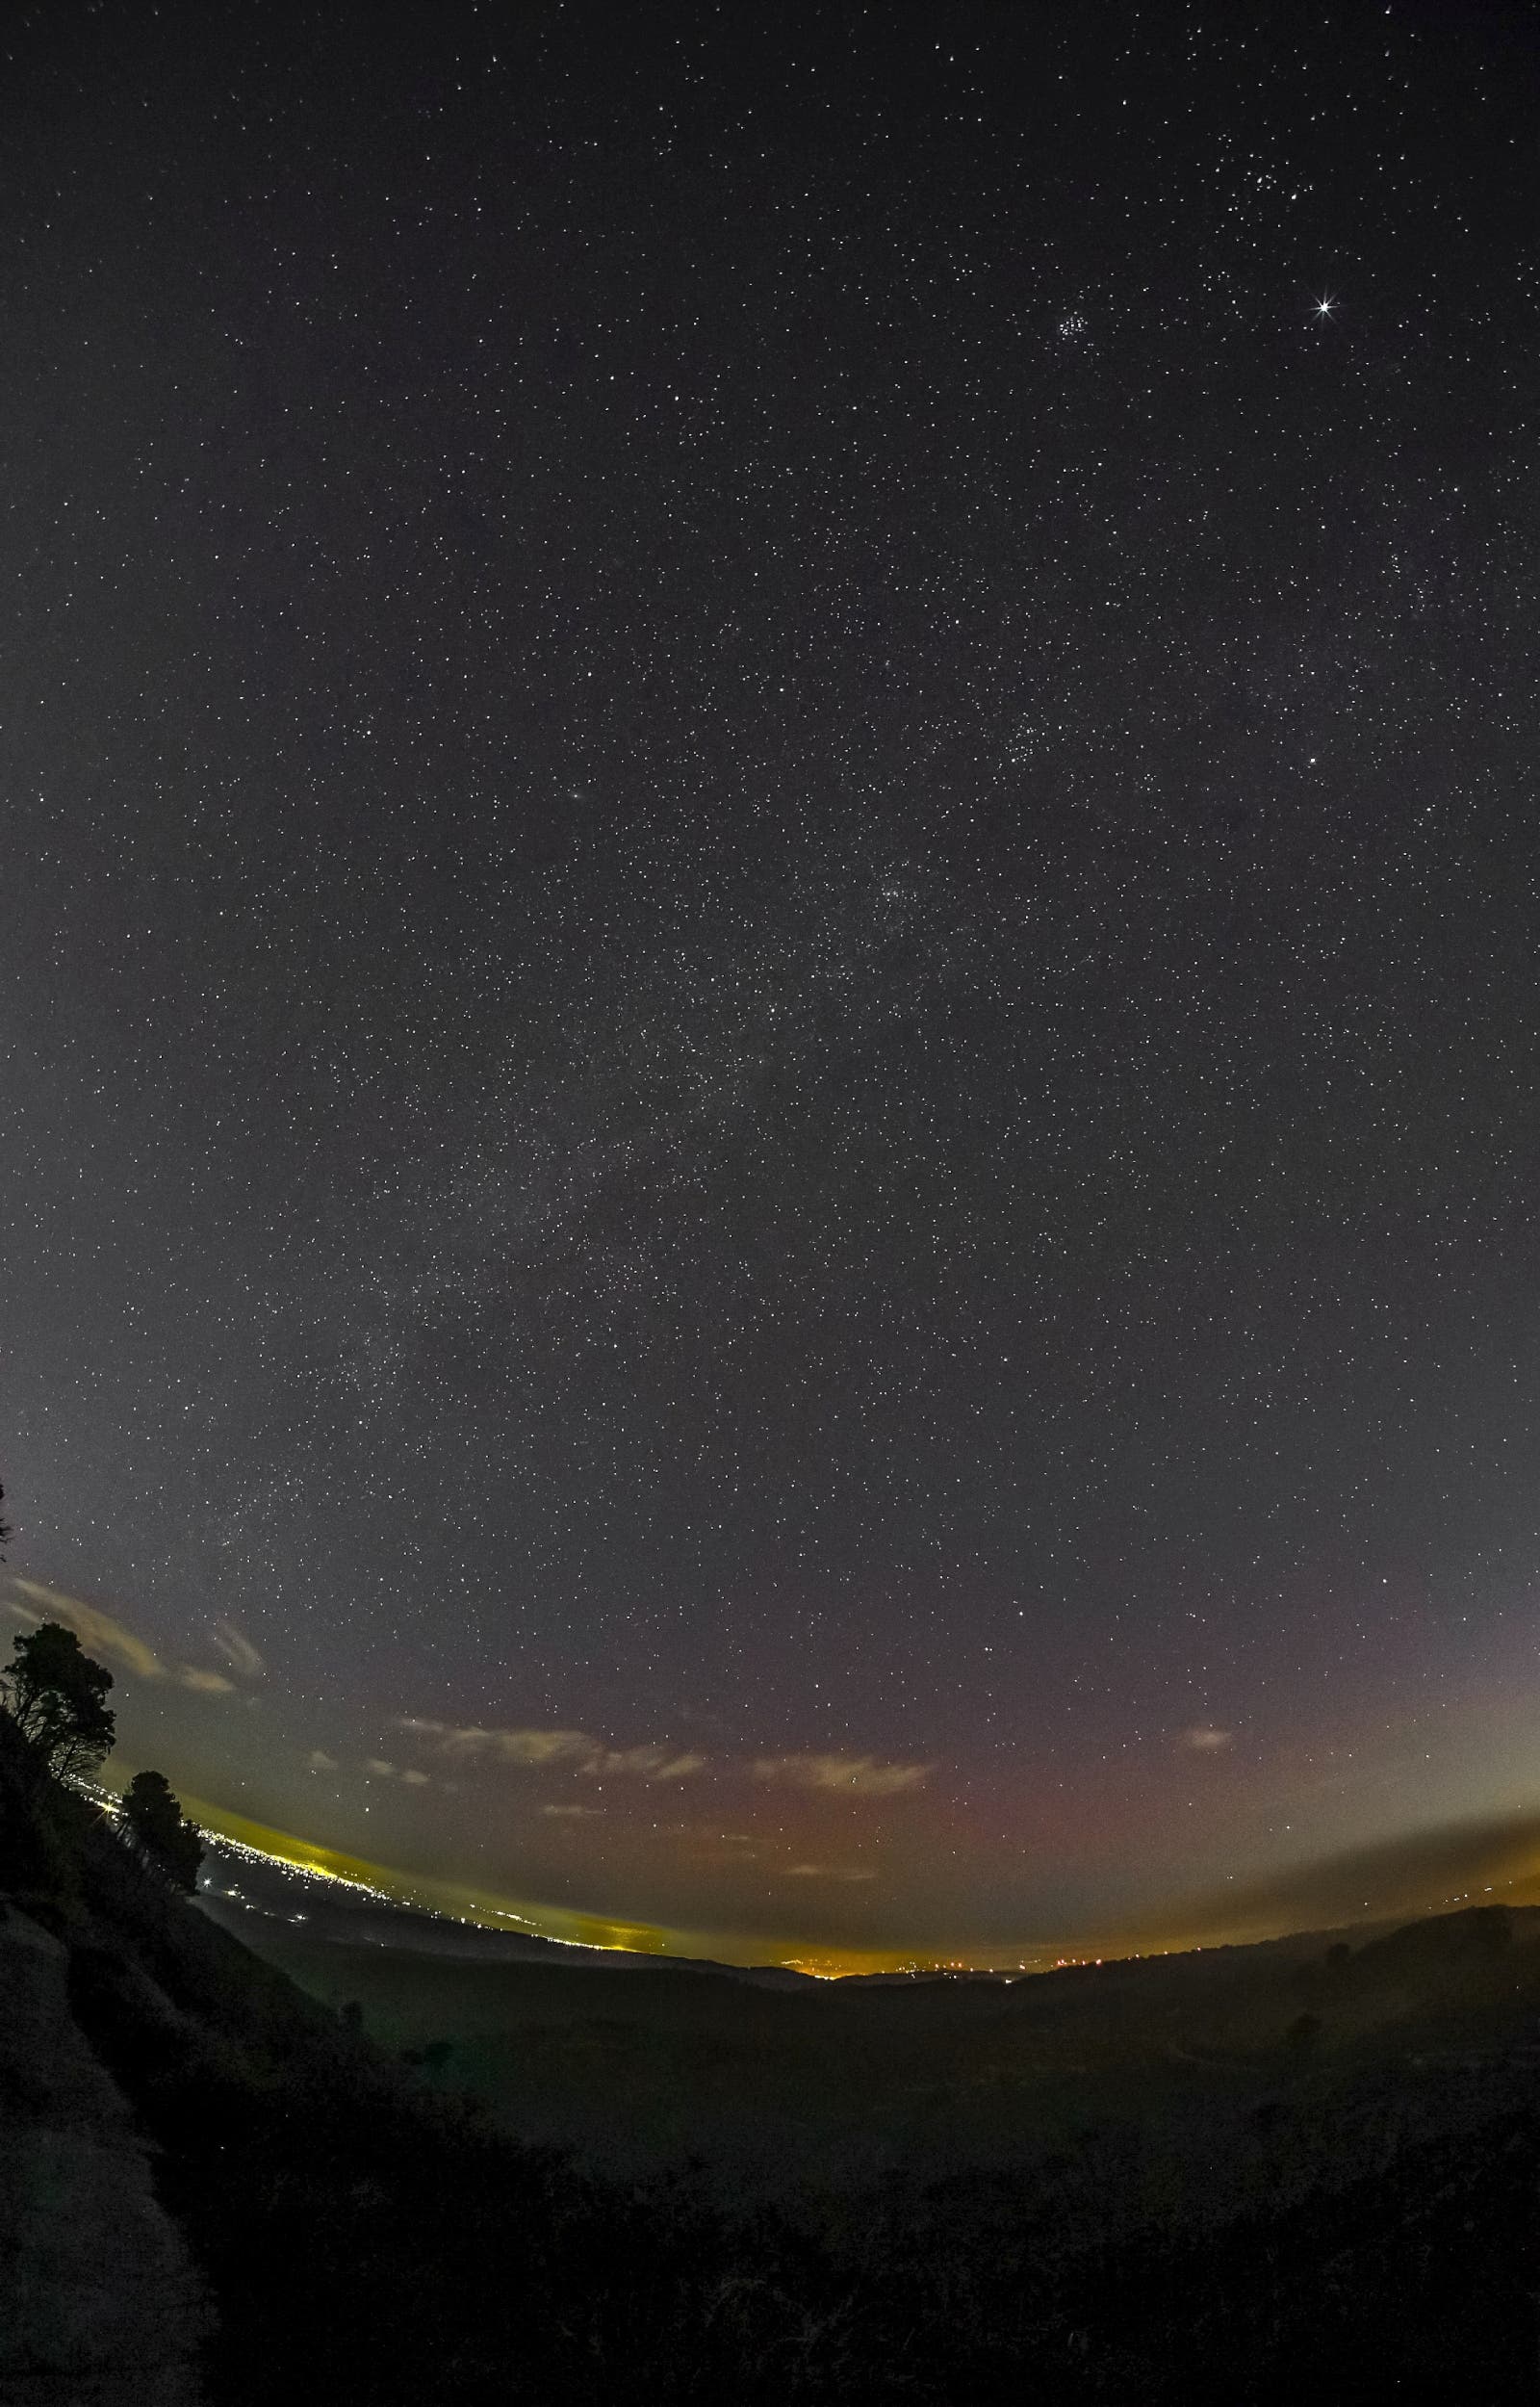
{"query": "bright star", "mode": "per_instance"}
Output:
(1325, 305)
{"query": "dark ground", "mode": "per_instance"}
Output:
(1253, 2175)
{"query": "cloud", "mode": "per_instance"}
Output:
(108, 1640)
(96, 1631)
(237, 1650)
(379, 1770)
(320, 1761)
(536, 1749)
(472, 1743)
(573, 1813)
(830, 1871)
(652, 1763)
(1205, 1740)
(575, 1750)
(861, 1772)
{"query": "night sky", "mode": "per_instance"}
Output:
(768, 988)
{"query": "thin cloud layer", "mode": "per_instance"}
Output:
(830, 1871)
(538, 1750)
(238, 1650)
(862, 1774)
(577, 1750)
(1205, 1740)
(108, 1640)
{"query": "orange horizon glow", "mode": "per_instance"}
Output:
(1189, 1932)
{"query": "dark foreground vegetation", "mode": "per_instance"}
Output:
(1307, 2179)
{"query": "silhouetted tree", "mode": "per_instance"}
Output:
(153, 1817)
(4, 1526)
(351, 2015)
(57, 1696)
(1338, 1956)
(433, 2058)
(1303, 2034)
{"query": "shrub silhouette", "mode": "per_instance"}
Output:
(1303, 2034)
(432, 2057)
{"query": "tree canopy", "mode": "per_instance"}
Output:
(57, 1696)
(153, 1817)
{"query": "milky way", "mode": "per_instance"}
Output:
(767, 922)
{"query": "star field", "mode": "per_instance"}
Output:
(767, 926)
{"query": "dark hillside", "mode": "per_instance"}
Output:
(363, 2240)
(1270, 2177)
(1200, 2061)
